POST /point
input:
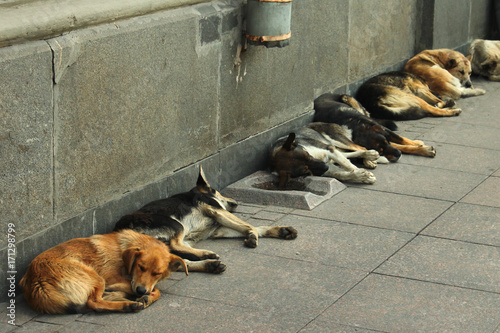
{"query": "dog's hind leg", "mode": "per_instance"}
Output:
(405, 106)
(178, 247)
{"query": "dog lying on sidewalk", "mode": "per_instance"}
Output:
(402, 96)
(446, 72)
(186, 218)
(485, 58)
(344, 110)
(113, 272)
(320, 149)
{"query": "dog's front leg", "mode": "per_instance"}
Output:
(229, 220)
(150, 298)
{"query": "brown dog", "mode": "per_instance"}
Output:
(99, 273)
(485, 58)
(446, 72)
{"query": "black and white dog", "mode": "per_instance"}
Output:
(186, 218)
(320, 149)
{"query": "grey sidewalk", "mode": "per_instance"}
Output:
(417, 251)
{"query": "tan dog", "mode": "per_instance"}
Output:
(99, 273)
(485, 58)
(446, 72)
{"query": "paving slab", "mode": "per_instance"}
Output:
(392, 304)
(338, 244)
(271, 284)
(58, 320)
(459, 158)
(23, 313)
(449, 262)
(467, 222)
(185, 314)
(379, 209)
(426, 182)
(487, 193)
(6, 328)
(37, 327)
(84, 327)
(497, 173)
(323, 325)
(464, 134)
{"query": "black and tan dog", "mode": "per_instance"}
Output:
(446, 72)
(186, 218)
(113, 272)
(402, 96)
(344, 110)
(314, 150)
(485, 58)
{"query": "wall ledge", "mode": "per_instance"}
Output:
(25, 20)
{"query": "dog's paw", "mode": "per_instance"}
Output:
(480, 91)
(288, 233)
(383, 160)
(136, 307)
(449, 104)
(209, 255)
(370, 164)
(215, 267)
(371, 155)
(365, 176)
(455, 112)
(251, 240)
(430, 151)
(144, 300)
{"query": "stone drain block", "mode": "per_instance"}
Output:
(303, 193)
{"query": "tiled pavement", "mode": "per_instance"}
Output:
(417, 251)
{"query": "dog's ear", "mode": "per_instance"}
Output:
(202, 182)
(469, 57)
(176, 262)
(452, 63)
(289, 142)
(489, 64)
(129, 256)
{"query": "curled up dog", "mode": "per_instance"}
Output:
(112, 272)
(485, 58)
(446, 72)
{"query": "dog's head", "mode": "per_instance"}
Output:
(374, 138)
(490, 65)
(460, 67)
(291, 160)
(205, 193)
(149, 265)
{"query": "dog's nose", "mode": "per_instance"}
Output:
(140, 290)
(233, 204)
(468, 84)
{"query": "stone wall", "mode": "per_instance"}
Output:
(101, 120)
